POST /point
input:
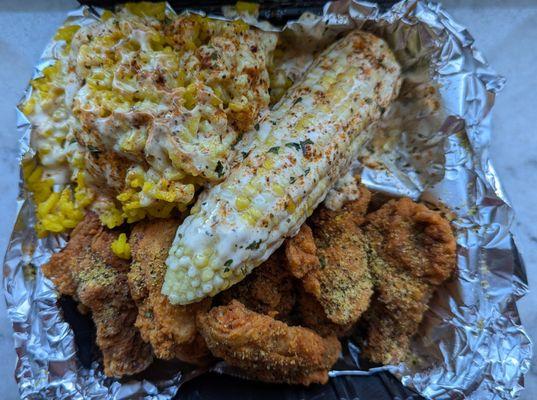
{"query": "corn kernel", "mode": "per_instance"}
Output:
(121, 247)
(192, 271)
(200, 260)
(242, 203)
(66, 32)
(207, 275)
(29, 106)
(291, 206)
(278, 190)
(268, 163)
(249, 218)
(44, 208)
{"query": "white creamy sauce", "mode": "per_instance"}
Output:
(346, 189)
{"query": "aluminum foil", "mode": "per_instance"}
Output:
(432, 145)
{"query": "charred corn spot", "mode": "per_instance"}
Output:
(121, 247)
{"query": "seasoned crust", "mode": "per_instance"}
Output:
(413, 238)
(330, 258)
(310, 314)
(267, 290)
(171, 330)
(267, 349)
(412, 251)
(88, 270)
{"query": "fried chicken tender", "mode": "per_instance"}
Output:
(170, 329)
(310, 314)
(330, 258)
(268, 289)
(88, 270)
(267, 349)
(412, 252)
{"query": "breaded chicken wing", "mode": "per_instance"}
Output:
(266, 349)
(267, 290)
(171, 329)
(331, 260)
(88, 270)
(412, 252)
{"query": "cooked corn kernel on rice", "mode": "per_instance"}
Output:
(296, 155)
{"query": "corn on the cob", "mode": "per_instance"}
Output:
(296, 155)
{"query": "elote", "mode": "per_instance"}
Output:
(292, 160)
(143, 107)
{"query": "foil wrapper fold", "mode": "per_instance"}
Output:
(431, 145)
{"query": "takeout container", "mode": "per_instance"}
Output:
(471, 343)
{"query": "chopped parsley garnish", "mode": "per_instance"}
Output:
(306, 171)
(244, 154)
(239, 138)
(298, 100)
(256, 126)
(254, 245)
(274, 150)
(322, 261)
(292, 179)
(219, 169)
(228, 263)
(296, 146)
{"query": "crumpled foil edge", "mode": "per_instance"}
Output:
(471, 344)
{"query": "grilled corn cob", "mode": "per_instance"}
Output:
(295, 156)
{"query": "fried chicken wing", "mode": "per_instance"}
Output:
(266, 349)
(267, 290)
(412, 252)
(88, 270)
(171, 329)
(331, 260)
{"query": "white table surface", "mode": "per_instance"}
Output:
(505, 31)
